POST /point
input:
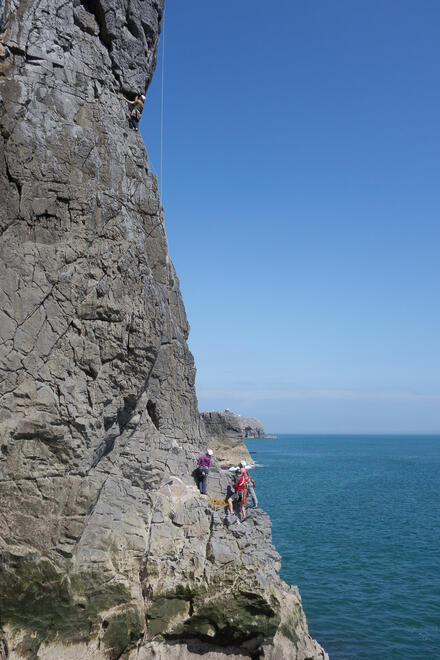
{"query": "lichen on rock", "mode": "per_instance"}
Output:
(107, 549)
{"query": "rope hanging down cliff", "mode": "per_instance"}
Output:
(162, 107)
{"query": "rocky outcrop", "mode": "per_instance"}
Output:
(225, 432)
(107, 550)
(251, 427)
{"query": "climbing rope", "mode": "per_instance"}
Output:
(162, 107)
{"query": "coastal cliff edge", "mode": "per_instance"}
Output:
(107, 549)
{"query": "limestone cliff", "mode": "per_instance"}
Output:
(106, 548)
(251, 427)
(225, 432)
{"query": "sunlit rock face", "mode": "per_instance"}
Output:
(107, 548)
(225, 432)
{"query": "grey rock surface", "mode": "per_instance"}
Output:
(251, 427)
(107, 550)
(225, 432)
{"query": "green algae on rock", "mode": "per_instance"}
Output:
(107, 548)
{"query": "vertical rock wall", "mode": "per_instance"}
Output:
(225, 432)
(106, 548)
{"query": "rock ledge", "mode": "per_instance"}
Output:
(106, 548)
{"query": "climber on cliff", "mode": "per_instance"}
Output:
(250, 484)
(203, 465)
(135, 114)
(239, 495)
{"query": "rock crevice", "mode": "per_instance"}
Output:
(107, 550)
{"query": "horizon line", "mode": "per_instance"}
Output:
(363, 433)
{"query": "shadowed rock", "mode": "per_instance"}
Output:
(225, 432)
(106, 548)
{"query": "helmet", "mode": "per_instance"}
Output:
(210, 452)
(243, 463)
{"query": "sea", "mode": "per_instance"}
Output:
(355, 519)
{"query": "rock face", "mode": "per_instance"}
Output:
(225, 432)
(251, 427)
(107, 550)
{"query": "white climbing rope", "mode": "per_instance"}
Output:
(162, 108)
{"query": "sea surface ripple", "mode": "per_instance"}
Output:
(356, 521)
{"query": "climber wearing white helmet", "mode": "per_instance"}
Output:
(239, 495)
(136, 111)
(203, 465)
(250, 484)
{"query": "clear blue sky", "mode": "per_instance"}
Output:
(301, 189)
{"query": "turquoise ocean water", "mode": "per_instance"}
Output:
(356, 521)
